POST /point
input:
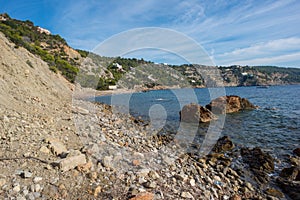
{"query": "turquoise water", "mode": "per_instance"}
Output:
(274, 126)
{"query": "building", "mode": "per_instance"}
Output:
(42, 30)
(112, 87)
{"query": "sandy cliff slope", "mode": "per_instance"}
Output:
(26, 83)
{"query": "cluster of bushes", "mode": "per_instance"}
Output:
(26, 35)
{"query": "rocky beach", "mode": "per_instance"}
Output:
(57, 146)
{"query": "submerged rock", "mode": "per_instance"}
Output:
(194, 113)
(229, 104)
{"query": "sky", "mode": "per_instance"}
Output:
(242, 32)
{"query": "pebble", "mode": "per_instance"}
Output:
(192, 182)
(37, 187)
(26, 174)
(2, 182)
(37, 179)
(186, 195)
(17, 188)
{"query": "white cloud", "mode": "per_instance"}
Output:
(273, 52)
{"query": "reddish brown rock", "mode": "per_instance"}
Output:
(195, 113)
(229, 104)
(223, 144)
(297, 152)
(143, 196)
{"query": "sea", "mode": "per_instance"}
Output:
(274, 126)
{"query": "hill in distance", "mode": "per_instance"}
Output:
(99, 72)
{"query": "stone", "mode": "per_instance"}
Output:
(295, 161)
(26, 174)
(274, 192)
(17, 188)
(249, 186)
(45, 150)
(71, 162)
(37, 187)
(56, 146)
(37, 179)
(192, 182)
(150, 184)
(143, 196)
(181, 177)
(186, 195)
(235, 197)
(223, 144)
(257, 159)
(154, 175)
(79, 110)
(2, 182)
(290, 188)
(217, 178)
(97, 191)
(136, 162)
(297, 152)
(107, 161)
(229, 104)
(195, 113)
(85, 167)
(291, 173)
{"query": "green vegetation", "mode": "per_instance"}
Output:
(101, 72)
(25, 34)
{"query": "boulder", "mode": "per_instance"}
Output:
(229, 104)
(195, 113)
(257, 159)
(260, 163)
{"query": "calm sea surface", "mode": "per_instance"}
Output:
(275, 126)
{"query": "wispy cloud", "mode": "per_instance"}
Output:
(231, 31)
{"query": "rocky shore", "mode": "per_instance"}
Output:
(108, 158)
(53, 146)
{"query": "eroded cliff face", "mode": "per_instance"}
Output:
(27, 84)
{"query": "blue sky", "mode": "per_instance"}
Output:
(244, 32)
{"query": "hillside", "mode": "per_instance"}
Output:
(99, 72)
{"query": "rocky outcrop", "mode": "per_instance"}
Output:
(194, 113)
(260, 163)
(223, 144)
(229, 104)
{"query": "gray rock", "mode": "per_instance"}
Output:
(56, 146)
(107, 161)
(71, 162)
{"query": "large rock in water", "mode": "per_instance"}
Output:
(229, 104)
(194, 113)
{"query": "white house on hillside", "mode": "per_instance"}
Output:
(42, 30)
